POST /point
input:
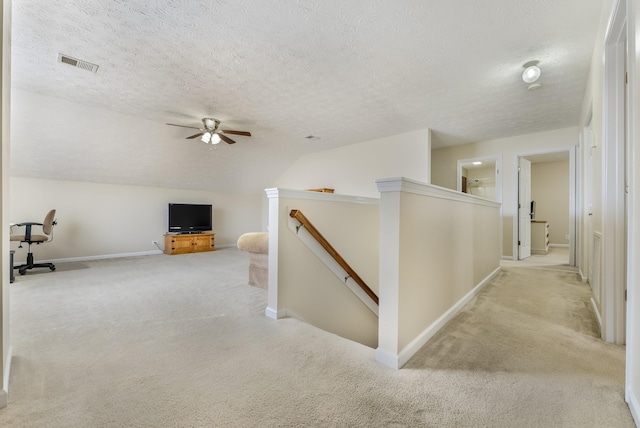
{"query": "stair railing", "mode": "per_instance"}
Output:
(304, 222)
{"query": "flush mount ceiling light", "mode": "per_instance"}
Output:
(477, 163)
(531, 72)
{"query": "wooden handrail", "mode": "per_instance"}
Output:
(297, 214)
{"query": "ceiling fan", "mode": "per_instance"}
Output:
(210, 132)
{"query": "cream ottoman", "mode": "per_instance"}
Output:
(257, 245)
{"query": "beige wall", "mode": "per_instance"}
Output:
(353, 169)
(550, 190)
(105, 219)
(306, 288)
(444, 166)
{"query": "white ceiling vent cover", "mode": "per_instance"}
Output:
(77, 63)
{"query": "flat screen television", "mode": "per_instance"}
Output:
(190, 218)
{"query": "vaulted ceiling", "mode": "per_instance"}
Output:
(344, 71)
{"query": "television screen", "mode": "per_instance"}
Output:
(186, 218)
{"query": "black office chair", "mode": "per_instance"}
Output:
(30, 238)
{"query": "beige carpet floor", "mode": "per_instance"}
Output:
(182, 341)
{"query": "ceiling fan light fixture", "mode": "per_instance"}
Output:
(531, 74)
(215, 139)
(206, 138)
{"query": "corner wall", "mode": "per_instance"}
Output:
(104, 219)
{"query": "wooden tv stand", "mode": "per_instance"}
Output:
(188, 243)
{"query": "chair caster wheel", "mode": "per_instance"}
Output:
(52, 268)
(22, 272)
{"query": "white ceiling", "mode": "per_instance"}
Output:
(344, 71)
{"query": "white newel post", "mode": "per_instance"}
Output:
(388, 350)
(272, 310)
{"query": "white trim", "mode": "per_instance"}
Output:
(273, 259)
(633, 255)
(595, 309)
(274, 314)
(102, 257)
(402, 184)
(319, 196)
(572, 198)
(634, 406)
(573, 207)
(416, 344)
(7, 369)
(387, 358)
(117, 256)
(506, 257)
(560, 246)
(613, 166)
(4, 392)
(331, 264)
(583, 278)
(498, 173)
(226, 246)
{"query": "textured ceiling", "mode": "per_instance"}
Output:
(345, 71)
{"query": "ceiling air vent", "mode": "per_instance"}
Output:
(77, 63)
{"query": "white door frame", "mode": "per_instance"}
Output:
(497, 160)
(613, 170)
(524, 212)
(632, 385)
(572, 200)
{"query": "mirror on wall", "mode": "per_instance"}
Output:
(480, 177)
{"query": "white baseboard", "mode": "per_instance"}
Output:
(116, 256)
(271, 313)
(634, 406)
(103, 256)
(4, 392)
(582, 277)
(507, 258)
(397, 361)
(227, 246)
(559, 245)
(597, 312)
(387, 358)
(276, 315)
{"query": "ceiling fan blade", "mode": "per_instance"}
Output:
(245, 133)
(226, 139)
(194, 136)
(182, 126)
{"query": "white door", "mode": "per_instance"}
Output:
(524, 208)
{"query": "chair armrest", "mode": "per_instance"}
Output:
(27, 231)
(27, 223)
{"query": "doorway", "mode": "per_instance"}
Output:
(547, 217)
(481, 177)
